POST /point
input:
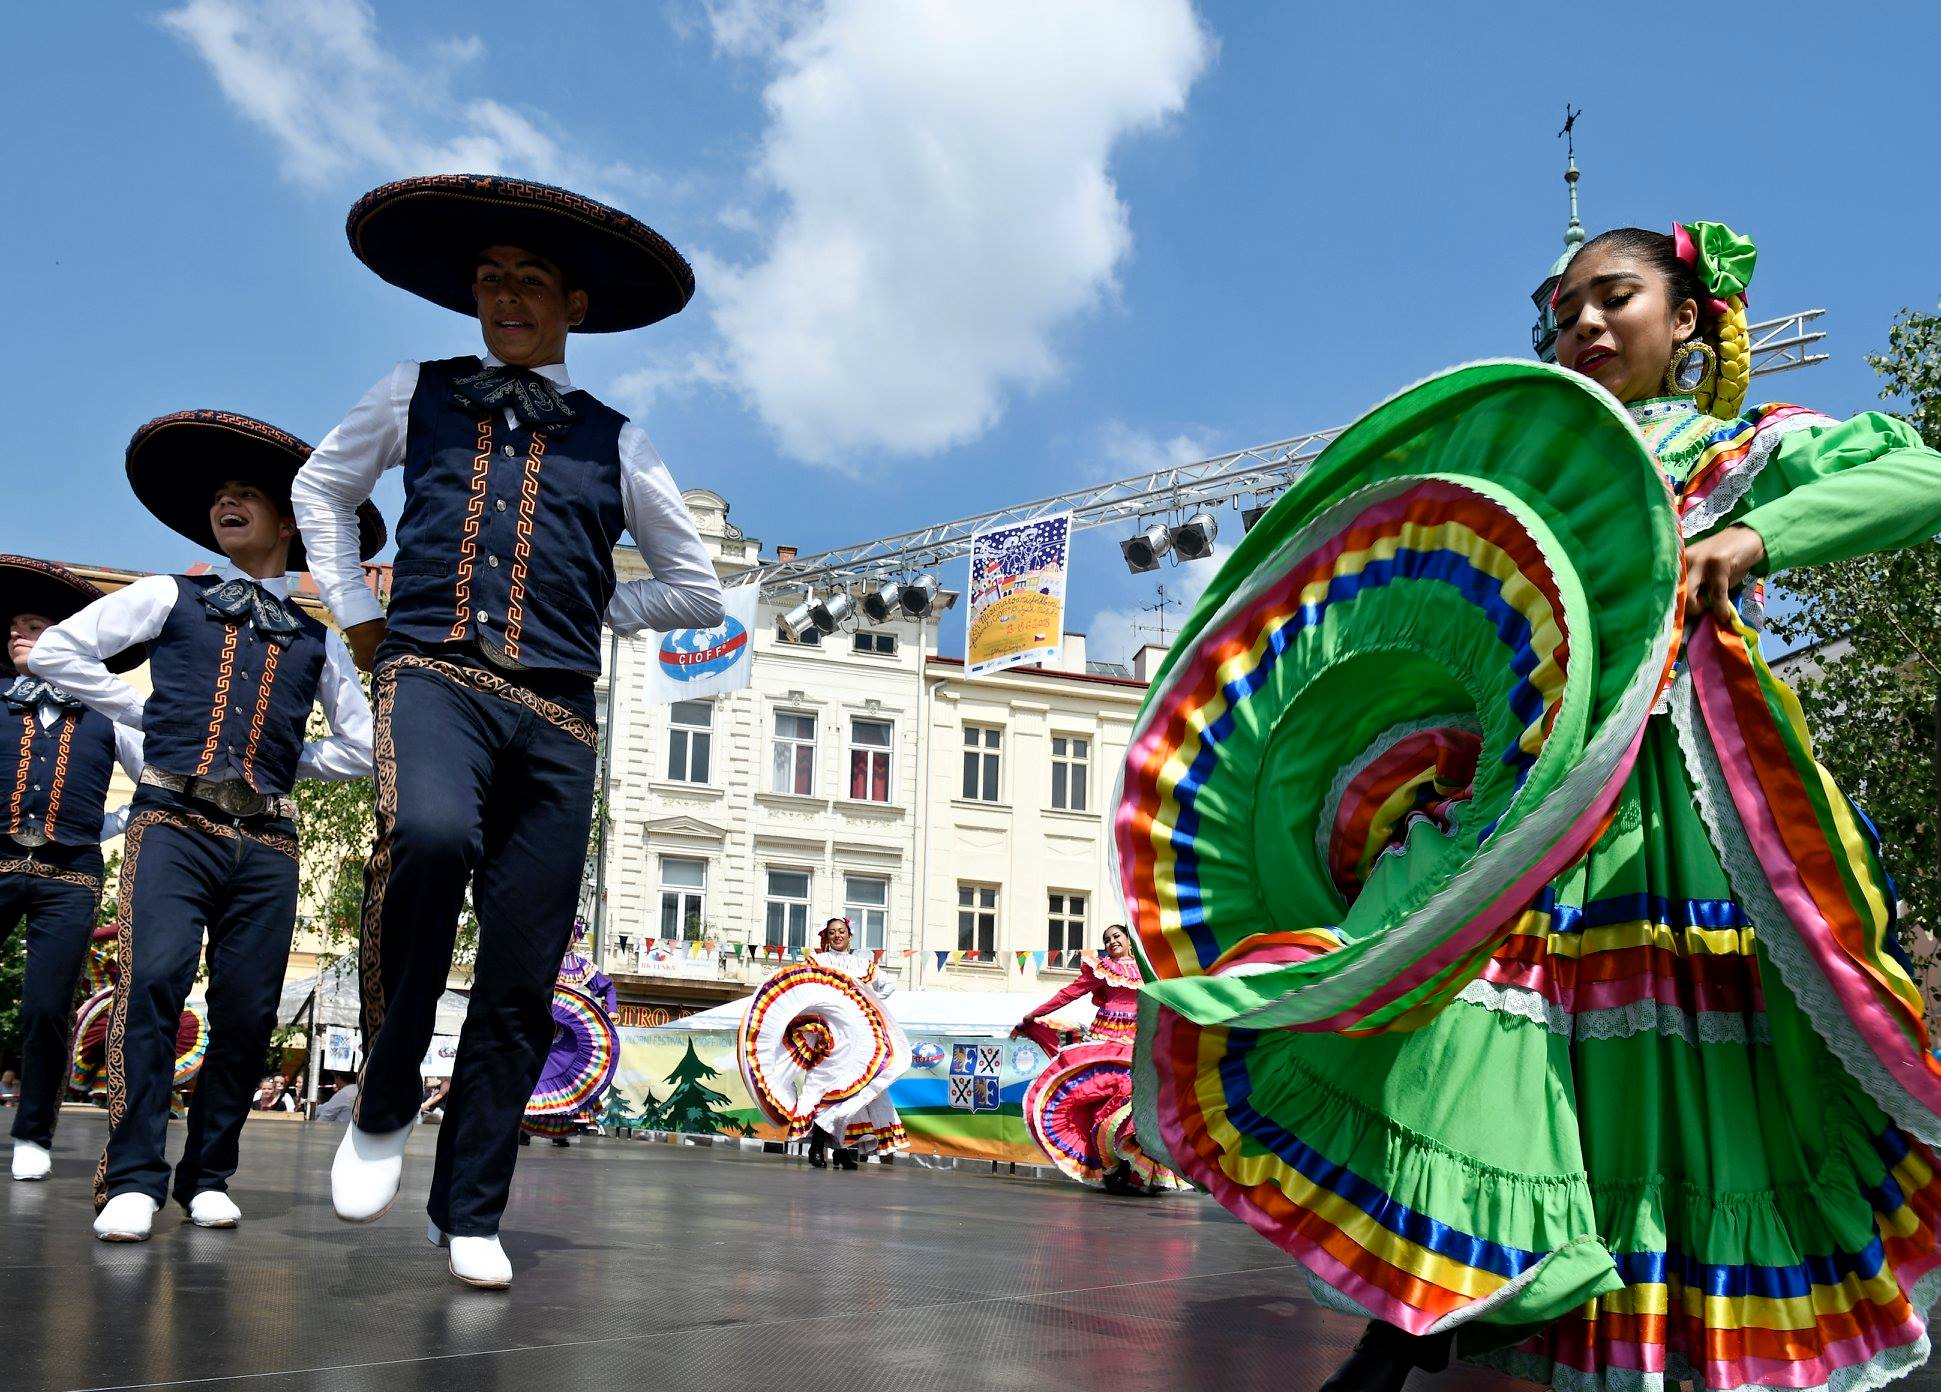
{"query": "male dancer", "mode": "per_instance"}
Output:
(51, 827)
(212, 840)
(517, 489)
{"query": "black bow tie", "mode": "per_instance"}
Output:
(28, 692)
(240, 600)
(536, 402)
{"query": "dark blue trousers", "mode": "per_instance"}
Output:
(484, 780)
(56, 890)
(187, 868)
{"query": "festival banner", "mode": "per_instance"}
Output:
(689, 663)
(1017, 594)
(962, 1096)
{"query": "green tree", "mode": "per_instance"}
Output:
(690, 1106)
(1873, 711)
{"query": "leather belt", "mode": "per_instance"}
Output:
(230, 795)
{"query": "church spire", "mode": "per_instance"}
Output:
(1573, 234)
(1543, 335)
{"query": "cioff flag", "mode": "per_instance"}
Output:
(1017, 594)
(687, 663)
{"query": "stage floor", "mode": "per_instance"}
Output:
(657, 1267)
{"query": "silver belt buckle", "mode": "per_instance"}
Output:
(235, 797)
(29, 836)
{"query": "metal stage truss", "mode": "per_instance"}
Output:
(1258, 472)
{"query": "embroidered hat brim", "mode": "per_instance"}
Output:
(32, 586)
(424, 235)
(178, 461)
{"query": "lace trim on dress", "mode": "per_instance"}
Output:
(1620, 1022)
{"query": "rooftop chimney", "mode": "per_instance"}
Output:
(785, 553)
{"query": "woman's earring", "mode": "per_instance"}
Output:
(1691, 367)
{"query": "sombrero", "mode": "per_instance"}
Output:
(580, 1065)
(1405, 703)
(424, 235)
(178, 461)
(30, 586)
(814, 1044)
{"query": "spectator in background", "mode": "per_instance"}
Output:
(9, 1088)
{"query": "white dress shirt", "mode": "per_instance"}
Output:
(72, 654)
(340, 474)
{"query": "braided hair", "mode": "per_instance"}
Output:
(1724, 394)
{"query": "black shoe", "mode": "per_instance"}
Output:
(525, 1138)
(561, 1142)
(1385, 1357)
(817, 1162)
(846, 1158)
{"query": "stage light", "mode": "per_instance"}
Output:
(881, 603)
(1194, 537)
(1142, 552)
(828, 612)
(917, 596)
(798, 621)
(1249, 516)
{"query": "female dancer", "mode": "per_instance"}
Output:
(1079, 1109)
(1111, 980)
(1673, 1121)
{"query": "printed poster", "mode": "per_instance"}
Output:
(1017, 595)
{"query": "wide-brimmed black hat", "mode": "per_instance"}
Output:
(30, 586)
(424, 235)
(178, 461)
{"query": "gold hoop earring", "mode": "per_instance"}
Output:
(1692, 364)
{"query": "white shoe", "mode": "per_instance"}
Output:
(365, 1175)
(480, 1261)
(214, 1209)
(31, 1161)
(435, 1235)
(126, 1217)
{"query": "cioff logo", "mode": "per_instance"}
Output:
(689, 654)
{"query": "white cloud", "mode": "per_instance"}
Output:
(1125, 450)
(946, 203)
(317, 79)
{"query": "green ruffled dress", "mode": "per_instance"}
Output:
(1636, 1141)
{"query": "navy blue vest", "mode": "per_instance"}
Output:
(507, 536)
(227, 703)
(60, 778)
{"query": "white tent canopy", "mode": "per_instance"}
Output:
(336, 989)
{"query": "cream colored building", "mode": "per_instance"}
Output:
(741, 823)
(836, 785)
(1018, 819)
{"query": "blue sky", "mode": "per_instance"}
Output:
(950, 256)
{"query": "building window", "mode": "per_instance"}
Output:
(869, 760)
(1067, 916)
(1071, 767)
(683, 898)
(788, 908)
(690, 740)
(792, 755)
(977, 918)
(866, 904)
(811, 637)
(875, 641)
(980, 762)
